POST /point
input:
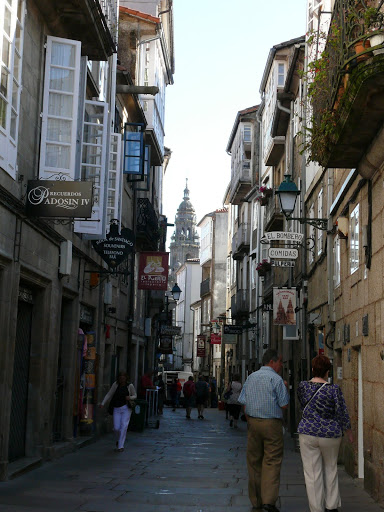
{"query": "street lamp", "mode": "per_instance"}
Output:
(176, 292)
(288, 193)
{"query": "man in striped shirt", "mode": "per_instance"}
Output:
(264, 396)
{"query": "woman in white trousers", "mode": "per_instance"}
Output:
(119, 397)
(324, 421)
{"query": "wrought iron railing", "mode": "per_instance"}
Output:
(109, 11)
(348, 42)
(241, 238)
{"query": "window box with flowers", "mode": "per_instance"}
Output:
(263, 267)
(265, 194)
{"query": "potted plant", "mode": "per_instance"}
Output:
(263, 267)
(374, 21)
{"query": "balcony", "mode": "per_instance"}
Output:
(241, 182)
(205, 287)
(273, 217)
(240, 242)
(240, 304)
(275, 150)
(93, 22)
(147, 226)
(348, 101)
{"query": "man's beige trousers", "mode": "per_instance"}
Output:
(264, 457)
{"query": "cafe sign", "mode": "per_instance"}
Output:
(59, 198)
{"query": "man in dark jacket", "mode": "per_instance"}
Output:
(202, 394)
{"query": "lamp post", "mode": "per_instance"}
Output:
(288, 193)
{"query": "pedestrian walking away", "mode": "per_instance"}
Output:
(202, 395)
(161, 395)
(189, 392)
(234, 407)
(120, 398)
(324, 421)
(173, 393)
(264, 396)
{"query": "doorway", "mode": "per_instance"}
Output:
(21, 362)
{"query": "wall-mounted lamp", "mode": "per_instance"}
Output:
(288, 193)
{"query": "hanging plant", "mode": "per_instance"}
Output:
(263, 267)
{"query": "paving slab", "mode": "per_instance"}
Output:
(184, 466)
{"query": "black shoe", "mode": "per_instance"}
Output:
(201, 417)
(270, 508)
(331, 510)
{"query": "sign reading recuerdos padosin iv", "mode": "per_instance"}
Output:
(59, 198)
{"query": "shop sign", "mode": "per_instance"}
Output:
(233, 329)
(115, 248)
(200, 347)
(215, 339)
(153, 271)
(202, 337)
(282, 263)
(284, 305)
(170, 330)
(282, 253)
(59, 198)
(165, 346)
(273, 236)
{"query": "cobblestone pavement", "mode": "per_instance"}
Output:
(184, 466)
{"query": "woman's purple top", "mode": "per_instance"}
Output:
(326, 415)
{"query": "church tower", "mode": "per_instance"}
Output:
(185, 242)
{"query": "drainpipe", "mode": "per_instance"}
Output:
(259, 318)
(330, 259)
(305, 370)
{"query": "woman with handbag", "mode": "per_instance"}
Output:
(120, 398)
(324, 421)
(232, 394)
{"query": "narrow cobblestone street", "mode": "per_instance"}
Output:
(184, 466)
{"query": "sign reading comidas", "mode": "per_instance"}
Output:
(56, 198)
(115, 248)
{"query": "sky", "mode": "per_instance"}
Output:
(221, 49)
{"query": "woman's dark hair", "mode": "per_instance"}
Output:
(320, 366)
(121, 374)
(236, 377)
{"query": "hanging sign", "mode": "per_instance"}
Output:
(233, 329)
(115, 248)
(284, 305)
(282, 263)
(273, 236)
(170, 330)
(165, 346)
(59, 198)
(283, 253)
(200, 348)
(215, 339)
(153, 271)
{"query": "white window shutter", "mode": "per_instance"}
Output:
(93, 165)
(60, 104)
(114, 179)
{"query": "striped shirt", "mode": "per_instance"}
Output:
(264, 394)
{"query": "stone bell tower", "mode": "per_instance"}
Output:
(185, 243)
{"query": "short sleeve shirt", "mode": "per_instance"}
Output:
(264, 394)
